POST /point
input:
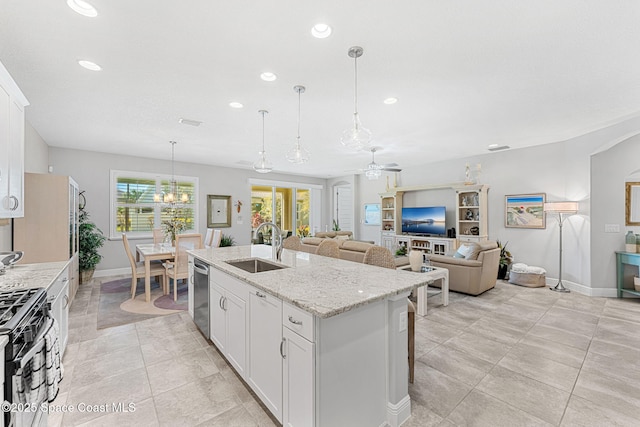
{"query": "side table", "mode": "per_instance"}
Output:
(623, 258)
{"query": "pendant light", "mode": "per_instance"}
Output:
(356, 137)
(263, 165)
(170, 198)
(298, 154)
(374, 170)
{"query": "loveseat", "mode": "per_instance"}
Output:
(474, 273)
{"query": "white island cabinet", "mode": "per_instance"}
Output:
(325, 339)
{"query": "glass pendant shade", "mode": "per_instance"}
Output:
(262, 165)
(298, 154)
(373, 173)
(356, 137)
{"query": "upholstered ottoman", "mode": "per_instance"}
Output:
(523, 275)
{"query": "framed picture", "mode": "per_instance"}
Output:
(524, 211)
(372, 214)
(218, 211)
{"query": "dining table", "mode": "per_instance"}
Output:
(150, 252)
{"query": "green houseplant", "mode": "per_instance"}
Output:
(505, 261)
(90, 240)
(227, 240)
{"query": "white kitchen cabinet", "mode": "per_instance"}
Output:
(266, 347)
(228, 325)
(58, 297)
(298, 379)
(12, 103)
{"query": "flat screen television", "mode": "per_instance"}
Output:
(428, 220)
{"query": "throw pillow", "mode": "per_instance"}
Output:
(467, 251)
(341, 237)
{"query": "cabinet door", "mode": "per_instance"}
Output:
(235, 308)
(16, 160)
(5, 142)
(265, 347)
(298, 380)
(218, 323)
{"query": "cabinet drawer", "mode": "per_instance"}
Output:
(298, 321)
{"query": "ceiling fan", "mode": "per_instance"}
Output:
(374, 170)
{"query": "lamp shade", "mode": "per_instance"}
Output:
(561, 207)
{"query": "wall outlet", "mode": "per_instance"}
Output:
(403, 321)
(612, 228)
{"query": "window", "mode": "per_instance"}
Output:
(133, 210)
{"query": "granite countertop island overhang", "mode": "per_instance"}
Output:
(320, 285)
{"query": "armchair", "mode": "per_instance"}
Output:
(472, 275)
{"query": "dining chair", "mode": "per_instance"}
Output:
(137, 270)
(207, 238)
(292, 242)
(158, 235)
(178, 268)
(382, 257)
(216, 238)
(328, 248)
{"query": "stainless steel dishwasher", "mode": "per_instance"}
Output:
(201, 296)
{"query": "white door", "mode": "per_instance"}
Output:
(344, 207)
(298, 384)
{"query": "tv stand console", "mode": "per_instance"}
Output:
(428, 245)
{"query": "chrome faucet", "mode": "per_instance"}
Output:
(276, 239)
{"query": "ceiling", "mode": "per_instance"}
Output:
(466, 73)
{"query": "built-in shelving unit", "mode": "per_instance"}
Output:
(471, 213)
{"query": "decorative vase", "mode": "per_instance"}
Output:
(415, 260)
(503, 270)
(630, 240)
(86, 276)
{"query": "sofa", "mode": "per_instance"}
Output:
(474, 273)
(350, 250)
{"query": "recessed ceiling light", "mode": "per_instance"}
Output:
(235, 105)
(390, 101)
(321, 31)
(268, 77)
(90, 65)
(496, 147)
(493, 145)
(83, 8)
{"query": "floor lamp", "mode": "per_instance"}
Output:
(563, 209)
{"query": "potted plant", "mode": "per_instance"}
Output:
(505, 261)
(227, 240)
(91, 239)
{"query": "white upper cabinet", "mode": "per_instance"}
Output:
(12, 103)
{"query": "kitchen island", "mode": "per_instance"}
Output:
(322, 341)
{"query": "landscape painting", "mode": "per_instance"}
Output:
(525, 211)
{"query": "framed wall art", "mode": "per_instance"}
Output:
(218, 211)
(525, 211)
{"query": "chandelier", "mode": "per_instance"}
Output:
(357, 137)
(171, 198)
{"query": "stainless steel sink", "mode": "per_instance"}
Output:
(255, 265)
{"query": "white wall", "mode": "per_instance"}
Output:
(91, 171)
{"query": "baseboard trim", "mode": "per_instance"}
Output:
(113, 272)
(399, 412)
(584, 290)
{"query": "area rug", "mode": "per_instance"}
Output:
(117, 308)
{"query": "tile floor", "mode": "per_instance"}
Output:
(511, 357)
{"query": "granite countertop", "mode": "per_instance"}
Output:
(320, 285)
(40, 275)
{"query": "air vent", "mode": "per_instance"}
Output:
(499, 148)
(190, 122)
